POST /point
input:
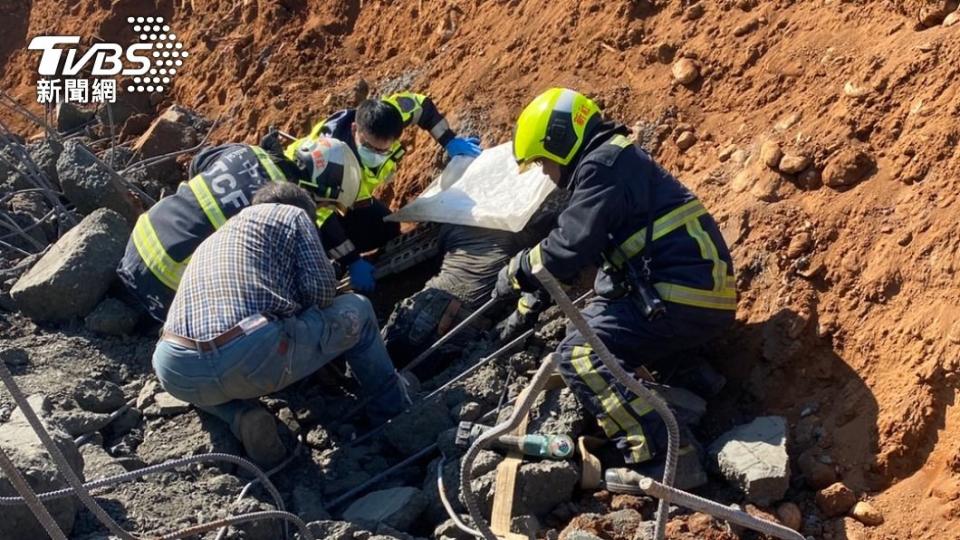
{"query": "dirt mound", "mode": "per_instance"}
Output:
(847, 254)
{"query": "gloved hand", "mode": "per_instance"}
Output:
(459, 146)
(361, 276)
(513, 326)
(507, 286)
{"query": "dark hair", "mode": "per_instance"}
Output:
(286, 193)
(379, 118)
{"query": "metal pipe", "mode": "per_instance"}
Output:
(552, 286)
(699, 504)
(524, 403)
(79, 441)
(30, 498)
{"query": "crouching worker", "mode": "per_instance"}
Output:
(652, 239)
(256, 311)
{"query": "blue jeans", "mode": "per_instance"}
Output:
(224, 382)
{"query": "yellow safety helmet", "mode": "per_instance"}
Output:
(553, 126)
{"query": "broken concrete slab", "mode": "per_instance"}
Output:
(78, 422)
(753, 457)
(558, 412)
(419, 429)
(74, 275)
(90, 184)
(398, 508)
(187, 435)
(148, 393)
(21, 445)
(541, 486)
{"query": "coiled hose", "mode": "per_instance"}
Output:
(524, 403)
(553, 287)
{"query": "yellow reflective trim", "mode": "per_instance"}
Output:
(536, 258)
(272, 170)
(723, 299)
(621, 140)
(323, 213)
(207, 201)
(663, 226)
(155, 257)
(411, 114)
(522, 307)
(708, 250)
(612, 404)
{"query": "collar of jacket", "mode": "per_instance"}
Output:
(600, 134)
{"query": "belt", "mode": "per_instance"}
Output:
(243, 328)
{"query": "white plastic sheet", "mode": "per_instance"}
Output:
(486, 192)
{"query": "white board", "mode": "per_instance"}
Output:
(486, 192)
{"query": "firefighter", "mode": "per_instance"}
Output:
(223, 180)
(372, 131)
(666, 280)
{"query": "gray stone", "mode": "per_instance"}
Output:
(12, 167)
(112, 317)
(78, 422)
(753, 457)
(15, 357)
(21, 445)
(99, 396)
(418, 429)
(45, 154)
(69, 116)
(167, 134)
(261, 529)
(398, 508)
(76, 272)
(448, 530)
(168, 405)
(90, 184)
(127, 421)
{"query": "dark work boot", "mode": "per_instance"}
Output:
(257, 430)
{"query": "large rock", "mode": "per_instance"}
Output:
(99, 396)
(74, 275)
(170, 132)
(753, 457)
(419, 429)
(848, 167)
(22, 446)
(90, 184)
(398, 508)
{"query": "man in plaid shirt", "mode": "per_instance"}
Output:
(256, 311)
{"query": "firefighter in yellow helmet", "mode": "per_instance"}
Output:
(372, 131)
(665, 283)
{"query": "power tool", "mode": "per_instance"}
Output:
(533, 445)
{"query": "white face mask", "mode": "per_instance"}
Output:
(371, 158)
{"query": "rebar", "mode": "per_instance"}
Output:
(305, 533)
(700, 504)
(30, 498)
(553, 287)
(442, 492)
(12, 103)
(524, 403)
(58, 458)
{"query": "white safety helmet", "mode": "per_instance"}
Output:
(331, 171)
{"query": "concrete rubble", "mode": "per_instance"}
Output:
(753, 457)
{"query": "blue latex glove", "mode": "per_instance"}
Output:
(458, 146)
(361, 276)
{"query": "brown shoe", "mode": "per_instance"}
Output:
(258, 432)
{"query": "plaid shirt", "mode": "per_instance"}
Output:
(267, 259)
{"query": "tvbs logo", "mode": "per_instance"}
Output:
(152, 62)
